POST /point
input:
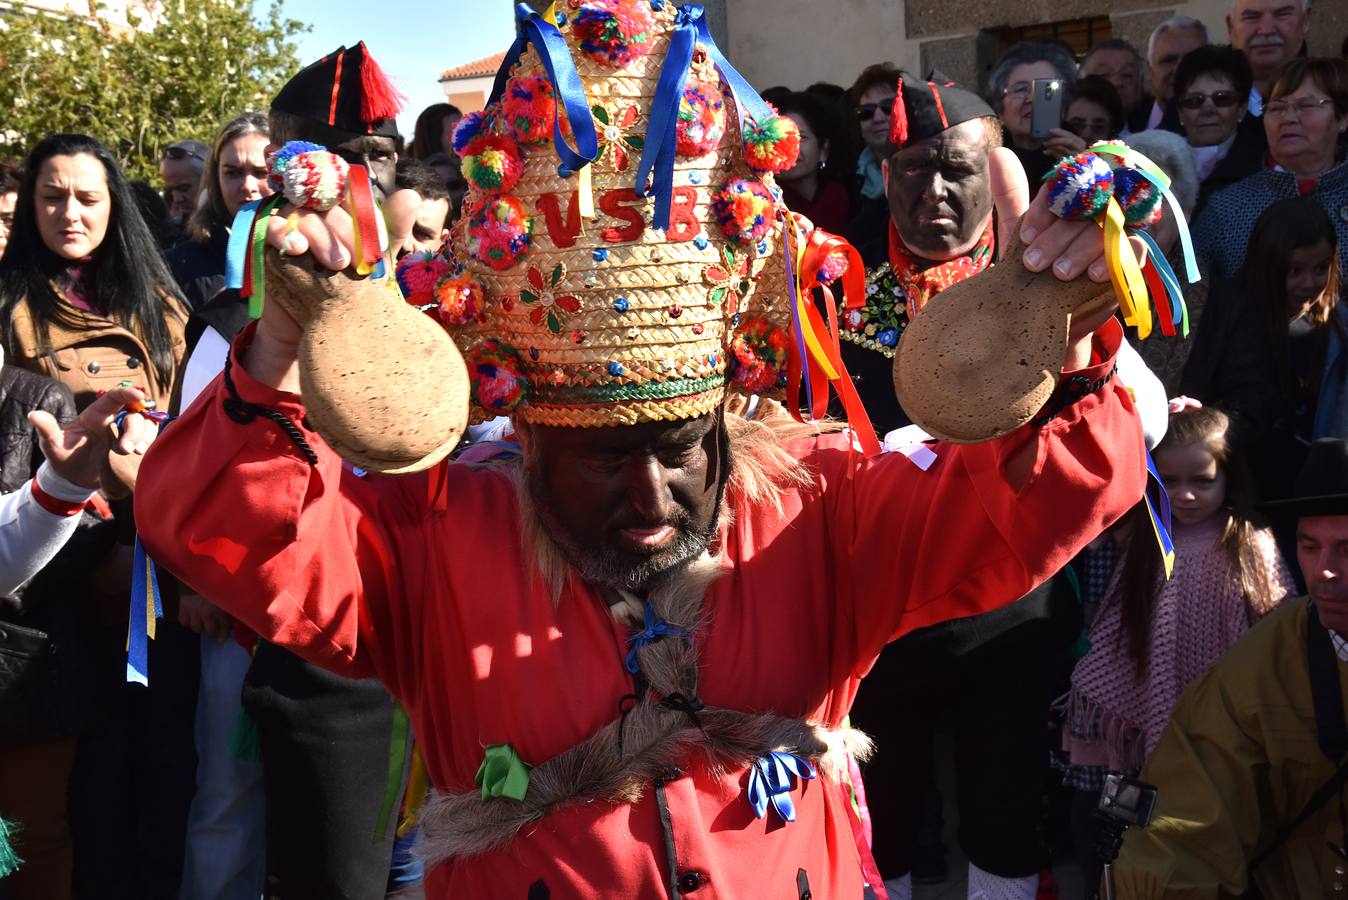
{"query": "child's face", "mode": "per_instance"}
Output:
(1194, 481)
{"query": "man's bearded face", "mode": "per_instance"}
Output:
(628, 505)
(940, 193)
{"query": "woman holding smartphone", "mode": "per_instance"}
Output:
(1039, 140)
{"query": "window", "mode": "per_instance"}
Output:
(1079, 34)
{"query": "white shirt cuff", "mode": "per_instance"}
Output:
(59, 487)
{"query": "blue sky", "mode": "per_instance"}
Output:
(413, 40)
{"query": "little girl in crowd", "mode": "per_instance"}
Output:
(1152, 636)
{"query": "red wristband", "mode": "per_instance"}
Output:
(54, 506)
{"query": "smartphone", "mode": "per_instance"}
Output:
(1047, 100)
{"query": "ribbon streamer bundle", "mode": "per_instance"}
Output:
(1122, 190)
(309, 177)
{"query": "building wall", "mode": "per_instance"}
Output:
(468, 94)
(795, 43)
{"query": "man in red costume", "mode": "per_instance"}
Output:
(628, 656)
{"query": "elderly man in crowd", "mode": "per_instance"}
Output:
(1168, 44)
(180, 171)
(1251, 770)
(1269, 33)
(1119, 63)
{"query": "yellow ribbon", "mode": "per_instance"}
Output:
(149, 598)
(414, 798)
(585, 193)
(1124, 273)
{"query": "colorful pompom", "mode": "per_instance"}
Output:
(757, 355)
(529, 108)
(469, 128)
(834, 267)
(314, 179)
(417, 274)
(492, 163)
(1079, 187)
(744, 209)
(459, 299)
(614, 32)
(499, 230)
(1140, 199)
(497, 374)
(277, 160)
(701, 119)
(771, 145)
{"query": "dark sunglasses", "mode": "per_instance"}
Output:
(1220, 99)
(866, 111)
(180, 153)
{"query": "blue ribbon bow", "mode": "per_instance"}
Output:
(654, 630)
(657, 156)
(531, 28)
(772, 778)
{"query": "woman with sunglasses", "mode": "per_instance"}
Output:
(1305, 119)
(1212, 90)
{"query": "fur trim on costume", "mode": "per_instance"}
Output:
(622, 759)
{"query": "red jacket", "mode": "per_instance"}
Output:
(422, 581)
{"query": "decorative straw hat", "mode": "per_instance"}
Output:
(637, 288)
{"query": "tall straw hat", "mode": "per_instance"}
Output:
(642, 286)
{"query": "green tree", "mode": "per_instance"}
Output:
(178, 72)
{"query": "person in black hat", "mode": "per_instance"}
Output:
(1251, 770)
(942, 168)
(324, 740)
(346, 103)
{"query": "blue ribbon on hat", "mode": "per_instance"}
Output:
(654, 630)
(657, 156)
(531, 28)
(771, 780)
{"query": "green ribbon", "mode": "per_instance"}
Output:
(503, 773)
(258, 242)
(398, 759)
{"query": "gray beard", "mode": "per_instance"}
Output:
(606, 566)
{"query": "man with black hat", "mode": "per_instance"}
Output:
(324, 740)
(1251, 770)
(941, 231)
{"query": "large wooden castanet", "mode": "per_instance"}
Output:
(382, 382)
(983, 357)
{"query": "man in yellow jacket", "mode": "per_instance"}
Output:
(1252, 767)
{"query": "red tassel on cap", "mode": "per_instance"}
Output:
(379, 99)
(898, 118)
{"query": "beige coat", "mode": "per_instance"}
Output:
(96, 357)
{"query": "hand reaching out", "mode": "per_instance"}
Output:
(78, 450)
(1062, 142)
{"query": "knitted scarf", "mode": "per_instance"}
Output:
(1115, 717)
(921, 279)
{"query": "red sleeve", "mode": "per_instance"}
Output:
(301, 554)
(920, 547)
